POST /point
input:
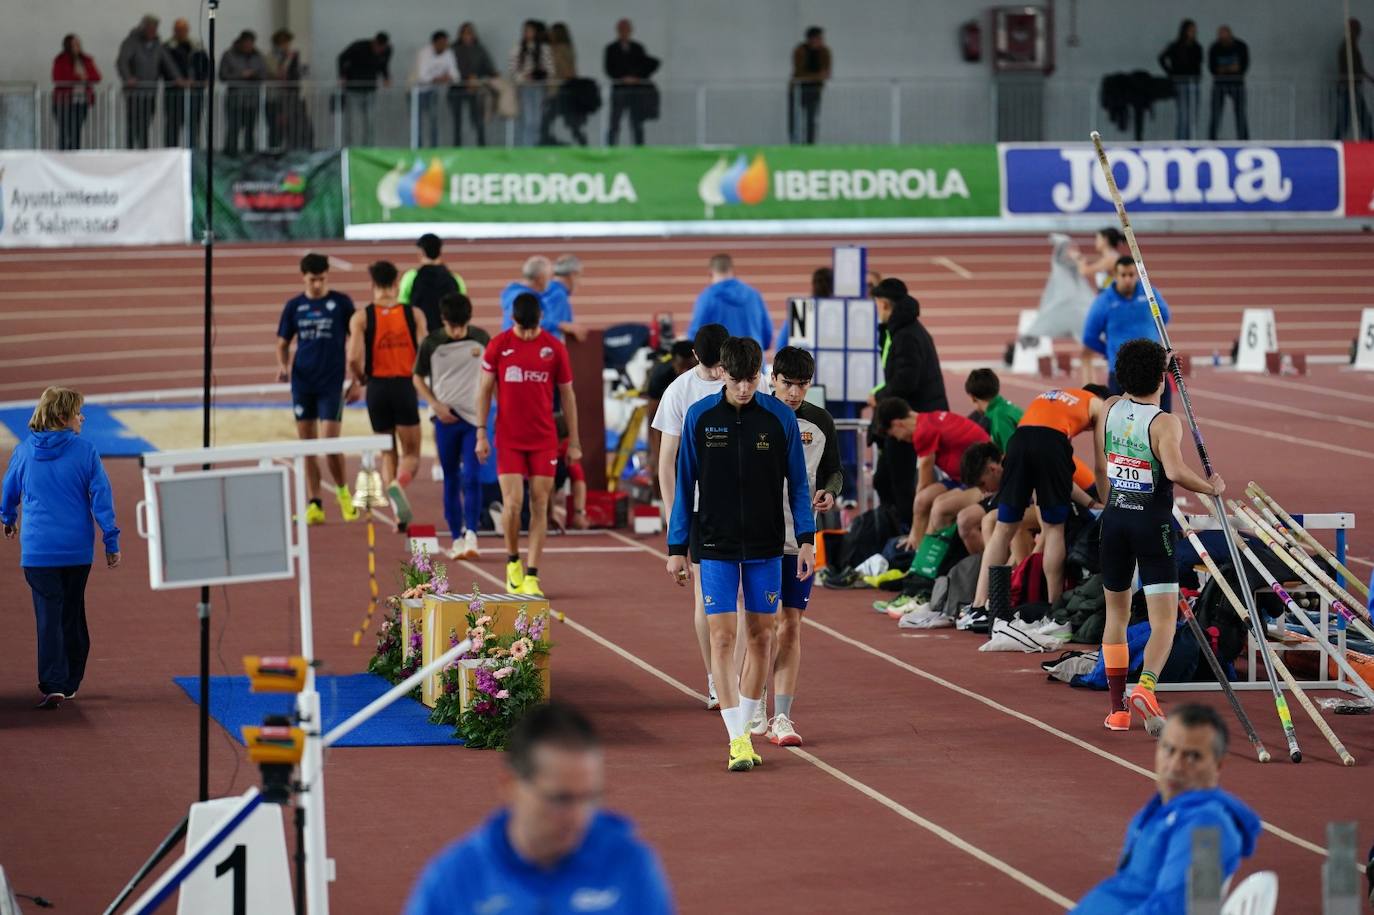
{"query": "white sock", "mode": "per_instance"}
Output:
(734, 723)
(748, 708)
(710, 684)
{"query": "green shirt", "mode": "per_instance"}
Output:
(408, 283)
(1002, 416)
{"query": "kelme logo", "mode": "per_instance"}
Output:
(419, 186)
(742, 182)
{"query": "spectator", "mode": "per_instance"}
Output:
(474, 69)
(1120, 313)
(186, 107)
(435, 67)
(871, 281)
(810, 70)
(288, 125)
(142, 61)
(57, 478)
(1152, 873)
(555, 302)
(735, 304)
(73, 75)
(628, 68)
(1181, 60)
(530, 67)
(551, 847)
(534, 279)
(911, 366)
(1228, 59)
(1351, 66)
(559, 104)
(425, 286)
(360, 66)
(243, 71)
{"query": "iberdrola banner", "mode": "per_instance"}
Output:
(563, 185)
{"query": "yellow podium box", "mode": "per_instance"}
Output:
(447, 613)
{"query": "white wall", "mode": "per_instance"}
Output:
(717, 39)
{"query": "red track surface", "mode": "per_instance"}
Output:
(977, 744)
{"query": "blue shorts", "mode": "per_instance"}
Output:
(720, 584)
(795, 594)
(312, 404)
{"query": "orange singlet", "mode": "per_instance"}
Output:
(1066, 409)
(393, 347)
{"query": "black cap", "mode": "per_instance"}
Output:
(891, 289)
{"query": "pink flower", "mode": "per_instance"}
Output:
(520, 649)
(504, 672)
(484, 621)
(503, 694)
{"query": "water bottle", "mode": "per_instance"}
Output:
(1216, 358)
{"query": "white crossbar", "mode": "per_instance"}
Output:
(266, 451)
(1319, 522)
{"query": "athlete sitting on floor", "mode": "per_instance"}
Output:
(741, 450)
(1139, 458)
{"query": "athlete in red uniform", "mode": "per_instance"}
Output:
(523, 366)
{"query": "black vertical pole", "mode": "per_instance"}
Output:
(203, 609)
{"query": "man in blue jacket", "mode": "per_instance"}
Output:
(1121, 313)
(552, 850)
(735, 304)
(737, 452)
(1152, 875)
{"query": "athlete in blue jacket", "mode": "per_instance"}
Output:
(58, 479)
(737, 451)
(1152, 875)
(1119, 314)
(552, 850)
(735, 304)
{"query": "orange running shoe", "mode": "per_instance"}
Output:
(1144, 703)
(1118, 721)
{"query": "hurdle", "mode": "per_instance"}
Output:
(1341, 523)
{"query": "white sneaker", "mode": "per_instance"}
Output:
(470, 550)
(924, 618)
(758, 725)
(781, 732)
(712, 701)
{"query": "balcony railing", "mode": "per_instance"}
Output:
(273, 116)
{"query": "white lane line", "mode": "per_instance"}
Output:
(935, 829)
(133, 355)
(952, 267)
(1327, 392)
(1006, 710)
(136, 376)
(587, 549)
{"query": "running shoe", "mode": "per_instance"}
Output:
(910, 607)
(54, 700)
(782, 733)
(741, 757)
(400, 503)
(361, 490)
(1144, 703)
(712, 700)
(924, 618)
(465, 547)
(1118, 721)
(69, 696)
(529, 586)
(974, 619)
(903, 601)
(753, 754)
(346, 508)
(314, 514)
(515, 574)
(758, 725)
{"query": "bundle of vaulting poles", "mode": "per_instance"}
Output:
(1281, 533)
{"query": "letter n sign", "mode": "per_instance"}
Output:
(801, 323)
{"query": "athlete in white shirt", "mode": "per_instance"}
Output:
(686, 389)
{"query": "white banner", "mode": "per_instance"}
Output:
(69, 199)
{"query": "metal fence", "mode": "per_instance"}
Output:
(271, 116)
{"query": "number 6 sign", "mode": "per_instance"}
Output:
(1258, 335)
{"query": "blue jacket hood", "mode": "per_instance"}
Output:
(50, 446)
(1190, 804)
(733, 291)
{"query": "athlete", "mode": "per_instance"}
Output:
(1040, 461)
(746, 454)
(702, 380)
(318, 320)
(448, 372)
(793, 370)
(1138, 462)
(423, 287)
(382, 341)
(523, 366)
(999, 415)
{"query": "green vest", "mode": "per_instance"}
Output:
(1135, 476)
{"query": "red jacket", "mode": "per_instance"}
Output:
(64, 77)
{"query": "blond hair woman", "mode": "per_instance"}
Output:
(58, 479)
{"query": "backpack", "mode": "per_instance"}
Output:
(370, 334)
(432, 283)
(1028, 581)
(866, 536)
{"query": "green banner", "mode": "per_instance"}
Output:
(671, 185)
(273, 196)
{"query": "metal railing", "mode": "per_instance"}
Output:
(273, 116)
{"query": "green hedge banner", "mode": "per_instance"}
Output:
(634, 184)
(272, 196)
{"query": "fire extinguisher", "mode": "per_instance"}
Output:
(971, 41)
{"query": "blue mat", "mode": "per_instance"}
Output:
(111, 437)
(405, 723)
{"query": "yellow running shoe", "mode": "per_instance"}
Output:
(741, 755)
(346, 503)
(529, 586)
(515, 574)
(314, 514)
(749, 745)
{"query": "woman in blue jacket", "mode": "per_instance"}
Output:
(58, 479)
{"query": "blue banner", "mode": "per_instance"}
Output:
(1295, 179)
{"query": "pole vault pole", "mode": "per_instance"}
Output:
(1218, 507)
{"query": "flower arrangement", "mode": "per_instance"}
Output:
(421, 575)
(390, 661)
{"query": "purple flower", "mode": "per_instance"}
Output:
(440, 583)
(484, 707)
(486, 681)
(522, 623)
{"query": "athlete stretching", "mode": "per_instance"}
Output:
(738, 451)
(1138, 456)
